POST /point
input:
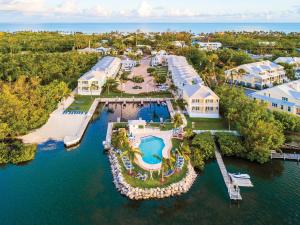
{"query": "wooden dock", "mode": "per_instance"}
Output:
(233, 189)
(285, 156)
(132, 100)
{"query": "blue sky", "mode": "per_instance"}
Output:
(31, 11)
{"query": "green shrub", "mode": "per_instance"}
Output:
(137, 79)
(230, 145)
(204, 143)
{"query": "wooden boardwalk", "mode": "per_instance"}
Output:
(285, 156)
(233, 189)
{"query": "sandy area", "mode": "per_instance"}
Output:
(57, 127)
(147, 86)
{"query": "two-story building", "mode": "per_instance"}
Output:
(257, 75)
(91, 83)
(159, 58)
(201, 100)
(207, 46)
(293, 61)
(128, 64)
(284, 97)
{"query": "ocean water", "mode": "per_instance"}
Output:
(75, 187)
(150, 27)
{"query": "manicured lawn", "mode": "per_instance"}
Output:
(81, 103)
(151, 183)
(162, 71)
(206, 124)
(114, 94)
(165, 126)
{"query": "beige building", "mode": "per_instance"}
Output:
(201, 101)
(257, 75)
(91, 83)
(285, 97)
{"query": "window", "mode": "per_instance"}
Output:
(274, 105)
(285, 99)
(289, 108)
(281, 107)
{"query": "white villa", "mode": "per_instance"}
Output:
(257, 75)
(91, 83)
(159, 58)
(208, 46)
(178, 44)
(128, 64)
(294, 61)
(201, 100)
(284, 97)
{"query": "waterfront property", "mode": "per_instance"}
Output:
(284, 97)
(201, 100)
(293, 61)
(207, 46)
(91, 83)
(257, 75)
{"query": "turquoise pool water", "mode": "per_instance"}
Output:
(151, 146)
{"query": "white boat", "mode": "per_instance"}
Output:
(239, 175)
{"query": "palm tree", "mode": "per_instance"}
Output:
(130, 152)
(177, 120)
(188, 133)
(165, 164)
(110, 84)
(93, 87)
(184, 150)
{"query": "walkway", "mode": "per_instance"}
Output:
(107, 142)
(233, 190)
(285, 156)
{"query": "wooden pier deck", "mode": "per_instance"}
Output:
(285, 156)
(233, 189)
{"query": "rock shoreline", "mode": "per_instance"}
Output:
(136, 193)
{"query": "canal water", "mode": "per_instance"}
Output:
(75, 187)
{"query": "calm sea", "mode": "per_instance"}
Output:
(75, 187)
(148, 27)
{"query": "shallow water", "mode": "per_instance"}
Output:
(75, 187)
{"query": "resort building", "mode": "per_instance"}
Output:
(293, 61)
(201, 100)
(128, 64)
(91, 83)
(284, 97)
(159, 58)
(208, 46)
(257, 75)
(178, 44)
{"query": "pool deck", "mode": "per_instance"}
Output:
(144, 132)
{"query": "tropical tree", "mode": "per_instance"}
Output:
(165, 164)
(130, 152)
(110, 84)
(184, 150)
(177, 120)
(188, 133)
(93, 87)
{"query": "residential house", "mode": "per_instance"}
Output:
(91, 83)
(294, 61)
(128, 64)
(207, 46)
(284, 97)
(178, 44)
(160, 58)
(201, 100)
(257, 75)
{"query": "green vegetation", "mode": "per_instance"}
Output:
(160, 75)
(152, 183)
(260, 130)
(205, 144)
(230, 145)
(177, 120)
(66, 67)
(290, 123)
(15, 152)
(81, 103)
(206, 123)
(137, 79)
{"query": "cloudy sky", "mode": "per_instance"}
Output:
(31, 11)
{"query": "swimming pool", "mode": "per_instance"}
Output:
(151, 146)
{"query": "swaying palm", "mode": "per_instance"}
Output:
(110, 84)
(130, 152)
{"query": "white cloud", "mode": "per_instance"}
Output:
(173, 12)
(23, 6)
(67, 8)
(145, 9)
